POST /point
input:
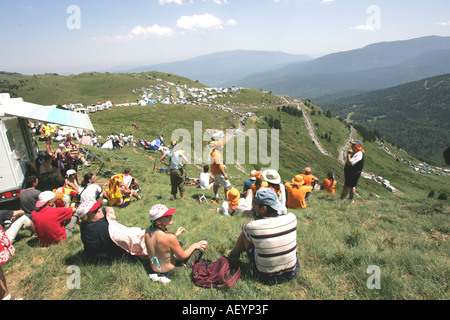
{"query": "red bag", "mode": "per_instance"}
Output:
(214, 275)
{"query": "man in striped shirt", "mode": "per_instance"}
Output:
(270, 240)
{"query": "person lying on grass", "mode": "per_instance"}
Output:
(164, 251)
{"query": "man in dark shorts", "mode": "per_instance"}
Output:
(352, 170)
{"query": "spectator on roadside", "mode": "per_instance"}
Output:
(309, 180)
(52, 224)
(163, 248)
(205, 179)
(7, 250)
(248, 183)
(71, 181)
(270, 241)
(234, 203)
(218, 170)
(329, 184)
(273, 179)
(89, 191)
(175, 163)
(296, 193)
(352, 170)
(99, 248)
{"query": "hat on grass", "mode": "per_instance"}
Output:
(87, 207)
(160, 210)
(268, 197)
(44, 197)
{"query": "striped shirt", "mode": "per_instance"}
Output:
(275, 242)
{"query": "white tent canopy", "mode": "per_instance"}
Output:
(18, 108)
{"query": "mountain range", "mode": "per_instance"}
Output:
(376, 66)
(222, 68)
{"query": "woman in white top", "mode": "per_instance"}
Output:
(89, 191)
(205, 178)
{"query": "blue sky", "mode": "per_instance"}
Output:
(75, 36)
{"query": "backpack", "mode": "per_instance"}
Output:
(214, 275)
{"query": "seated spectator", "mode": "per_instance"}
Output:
(164, 251)
(248, 183)
(129, 182)
(234, 203)
(259, 183)
(205, 179)
(309, 180)
(39, 161)
(270, 241)
(52, 224)
(273, 180)
(296, 193)
(89, 191)
(48, 169)
(7, 250)
(63, 195)
(16, 221)
(118, 194)
(95, 235)
(71, 181)
(329, 184)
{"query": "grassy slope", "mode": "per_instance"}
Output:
(405, 234)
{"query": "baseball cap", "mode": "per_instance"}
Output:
(308, 170)
(268, 197)
(44, 197)
(86, 207)
(160, 210)
(252, 175)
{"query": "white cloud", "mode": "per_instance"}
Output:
(231, 22)
(445, 24)
(200, 22)
(139, 32)
(364, 27)
(163, 2)
(327, 1)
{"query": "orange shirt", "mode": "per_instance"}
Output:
(307, 179)
(296, 195)
(253, 187)
(328, 187)
(216, 162)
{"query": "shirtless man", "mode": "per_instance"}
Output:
(164, 251)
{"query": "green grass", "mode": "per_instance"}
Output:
(404, 234)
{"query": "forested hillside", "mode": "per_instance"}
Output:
(414, 116)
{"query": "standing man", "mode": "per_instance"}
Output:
(352, 170)
(218, 170)
(176, 167)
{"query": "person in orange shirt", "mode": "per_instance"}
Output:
(218, 170)
(329, 184)
(296, 193)
(309, 180)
